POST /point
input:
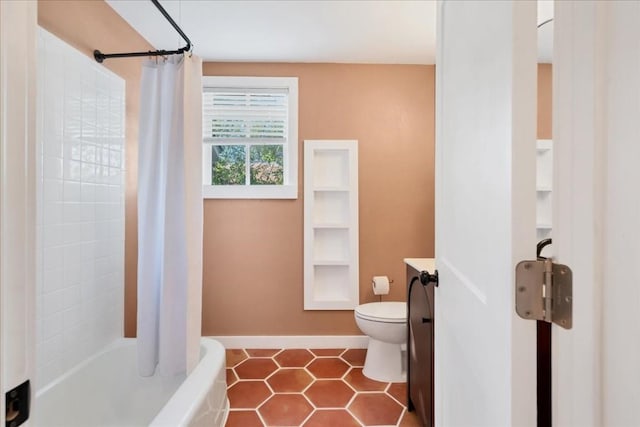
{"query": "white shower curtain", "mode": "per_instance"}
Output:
(169, 216)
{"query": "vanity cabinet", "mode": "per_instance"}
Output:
(331, 225)
(420, 340)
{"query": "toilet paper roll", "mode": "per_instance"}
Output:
(380, 285)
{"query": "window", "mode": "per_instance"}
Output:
(250, 137)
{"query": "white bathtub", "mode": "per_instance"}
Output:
(106, 390)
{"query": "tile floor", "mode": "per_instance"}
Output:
(310, 388)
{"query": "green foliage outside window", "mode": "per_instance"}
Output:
(228, 165)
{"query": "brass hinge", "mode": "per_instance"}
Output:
(544, 291)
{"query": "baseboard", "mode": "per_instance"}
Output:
(293, 341)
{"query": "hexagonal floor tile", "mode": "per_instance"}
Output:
(248, 394)
(231, 377)
(329, 393)
(410, 419)
(327, 351)
(358, 381)
(330, 367)
(399, 392)
(375, 409)
(294, 358)
(285, 410)
(235, 356)
(243, 419)
(290, 380)
(355, 356)
(261, 352)
(252, 369)
(331, 417)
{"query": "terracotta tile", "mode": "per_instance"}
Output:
(328, 367)
(261, 352)
(243, 419)
(234, 357)
(294, 358)
(399, 392)
(358, 381)
(355, 356)
(290, 380)
(331, 417)
(410, 419)
(327, 351)
(375, 409)
(248, 394)
(285, 410)
(329, 394)
(231, 377)
(252, 369)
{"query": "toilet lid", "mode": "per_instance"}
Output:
(393, 312)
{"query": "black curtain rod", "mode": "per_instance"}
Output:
(99, 56)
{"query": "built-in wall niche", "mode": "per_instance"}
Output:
(331, 208)
(331, 225)
(544, 187)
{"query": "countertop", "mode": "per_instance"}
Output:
(421, 264)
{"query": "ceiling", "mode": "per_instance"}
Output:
(348, 31)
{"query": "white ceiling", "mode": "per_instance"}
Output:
(349, 31)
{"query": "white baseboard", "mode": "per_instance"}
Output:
(293, 341)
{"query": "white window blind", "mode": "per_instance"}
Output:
(250, 137)
(236, 115)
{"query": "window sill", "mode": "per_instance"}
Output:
(250, 192)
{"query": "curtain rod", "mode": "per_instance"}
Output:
(99, 56)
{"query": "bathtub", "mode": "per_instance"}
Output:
(106, 390)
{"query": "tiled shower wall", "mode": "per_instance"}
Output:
(80, 230)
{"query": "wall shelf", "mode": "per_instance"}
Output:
(331, 225)
(544, 188)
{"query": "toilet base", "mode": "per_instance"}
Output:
(384, 362)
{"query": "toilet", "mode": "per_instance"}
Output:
(386, 325)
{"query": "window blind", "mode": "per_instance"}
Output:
(245, 115)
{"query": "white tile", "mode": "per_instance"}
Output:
(71, 233)
(52, 214)
(52, 326)
(53, 190)
(71, 318)
(52, 258)
(88, 192)
(72, 213)
(72, 169)
(72, 275)
(53, 302)
(71, 191)
(89, 172)
(52, 348)
(52, 167)
(72, 296)
(53, 235)
(53, 280)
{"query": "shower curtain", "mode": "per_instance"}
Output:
(169, 216)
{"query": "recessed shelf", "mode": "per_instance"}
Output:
(544, 144)
(331, 225)
(331, 188)
(543, 226)
(331, 262)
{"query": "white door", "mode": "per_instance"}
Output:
(17, 196)
(596, 365)
(485, 212)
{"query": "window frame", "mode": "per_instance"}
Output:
(289, 188)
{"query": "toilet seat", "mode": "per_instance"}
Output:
(387, 312)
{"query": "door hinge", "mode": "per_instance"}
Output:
(544, 291)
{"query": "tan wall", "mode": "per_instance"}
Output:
(90, 25)
(253, 249)
(544, 101)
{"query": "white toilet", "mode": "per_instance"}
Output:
(386, 325)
